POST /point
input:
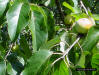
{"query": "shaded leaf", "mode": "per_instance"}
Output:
(25, 47)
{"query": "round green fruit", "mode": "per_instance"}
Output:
(16, 47)
(68, 20)
(84, 24)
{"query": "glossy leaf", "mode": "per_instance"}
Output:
(73, 9)
(17, 18)
(3, 4)
(91, 39)
(68, 6)
(75, 3)
(38, 27)
(2, 68)
(36, 61)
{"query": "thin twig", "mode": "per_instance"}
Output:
(8, 52)
(80, 47)
(66, 52)
(67, 63)
(84, 7)
(56, 61)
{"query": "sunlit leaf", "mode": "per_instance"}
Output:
(91, 39)
(17, 18)
(38, 27)
(2, 68)
(36, 61)
(3, 4)
(51, 43)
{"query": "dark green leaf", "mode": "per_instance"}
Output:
(25, 47)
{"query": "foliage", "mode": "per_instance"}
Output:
(35, 38)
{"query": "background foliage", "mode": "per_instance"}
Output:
(35, 39)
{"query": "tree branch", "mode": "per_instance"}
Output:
(66, 52)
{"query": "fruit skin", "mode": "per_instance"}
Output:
(84, 24)
(16, 47)
(68, 20)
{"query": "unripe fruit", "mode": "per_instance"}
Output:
(68, 20)
(16, 47)
(84, 24)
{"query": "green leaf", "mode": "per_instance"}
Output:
(17, 18)
(79, 15)
(50, 23)
(64, 70)
(10, 70)
(2, 52)
(61, 69)
(73, 9)
(25, 47)
(36, 61)
(68, 6)
(51, 43)
(75, 3)
(38, 26)
(3, 4)
(95, 62)
(96, 16)
(91, 39)
(12, 66)
(81, 62)
(2, 68)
